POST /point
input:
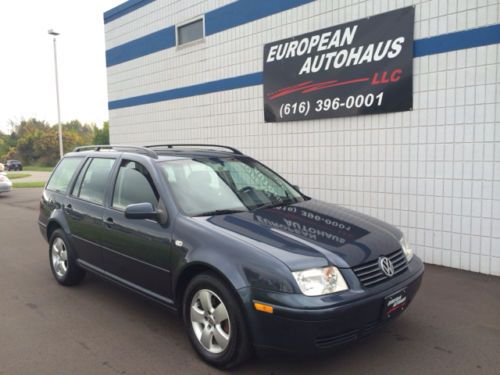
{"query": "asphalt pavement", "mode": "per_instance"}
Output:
(452, 327)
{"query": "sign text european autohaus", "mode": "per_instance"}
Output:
(361, 67)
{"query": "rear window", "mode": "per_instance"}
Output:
(61, 177)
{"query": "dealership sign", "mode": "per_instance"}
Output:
(357, 68)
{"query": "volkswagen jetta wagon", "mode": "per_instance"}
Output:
(247, 260)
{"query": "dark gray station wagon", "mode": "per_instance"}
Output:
(247, 260)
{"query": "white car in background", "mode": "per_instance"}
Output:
(5, 183)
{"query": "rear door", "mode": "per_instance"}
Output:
(137, 251)
(84, 208)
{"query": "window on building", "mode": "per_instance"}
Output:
(190, 32)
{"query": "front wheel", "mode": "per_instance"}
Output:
(215, 322)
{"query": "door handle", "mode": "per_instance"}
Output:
(109, 222)
(69, 207)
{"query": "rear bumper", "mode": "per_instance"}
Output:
(342, 320)
(5, 187)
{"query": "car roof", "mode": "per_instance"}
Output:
(159, 152)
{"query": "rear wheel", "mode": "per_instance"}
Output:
(63, 260)
(215, 322)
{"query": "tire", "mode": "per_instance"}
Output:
(63, 261)
(228, 342)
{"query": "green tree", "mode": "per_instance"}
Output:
(28, 133)
(35, 142)
(101, 136)
(84, 131)
(7, 145)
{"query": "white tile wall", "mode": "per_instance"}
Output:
(239, 50)
(433, 171)
(156, 16)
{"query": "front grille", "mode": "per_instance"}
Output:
(331, 341)
(326, 342)
(370, 273)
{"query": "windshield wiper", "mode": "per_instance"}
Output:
(221, 212)
(284, 202)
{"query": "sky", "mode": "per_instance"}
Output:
(27, 84)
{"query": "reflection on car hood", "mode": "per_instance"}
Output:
(312, 234)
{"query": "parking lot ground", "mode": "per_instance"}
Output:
(452, 327)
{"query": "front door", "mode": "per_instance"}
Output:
(137, 250)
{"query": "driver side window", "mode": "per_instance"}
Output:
(134, 185)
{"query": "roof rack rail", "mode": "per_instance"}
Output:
(171, 146)
(137, 149)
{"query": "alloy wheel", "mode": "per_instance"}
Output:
(210, 321)
(59, 257)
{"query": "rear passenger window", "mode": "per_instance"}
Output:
(78, 183)
(61, 177)
(92, 187)
(134, 185)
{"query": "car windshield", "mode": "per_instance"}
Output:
(211, 186)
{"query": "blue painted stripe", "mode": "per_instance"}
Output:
(481, 36)
(246, 80)
(125, 8)
(224, 18)
(151, 43)
(244, 11)
(438, 44)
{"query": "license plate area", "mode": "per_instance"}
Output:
(395, 304)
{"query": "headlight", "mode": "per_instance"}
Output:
(405, 245)
(320, 281)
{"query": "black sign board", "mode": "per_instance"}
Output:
(357, 68)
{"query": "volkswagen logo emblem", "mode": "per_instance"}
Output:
(386, 266)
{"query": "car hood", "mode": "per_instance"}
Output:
(311, 234)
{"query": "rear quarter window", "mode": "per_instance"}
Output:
(63, 174)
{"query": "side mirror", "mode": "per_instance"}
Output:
(141, 211)
(296, 187)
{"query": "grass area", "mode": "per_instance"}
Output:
(35, 184)
(34, 168)
(13, 176)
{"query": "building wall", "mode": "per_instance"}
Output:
(433, 171)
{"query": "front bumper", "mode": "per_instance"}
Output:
(312, 324)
